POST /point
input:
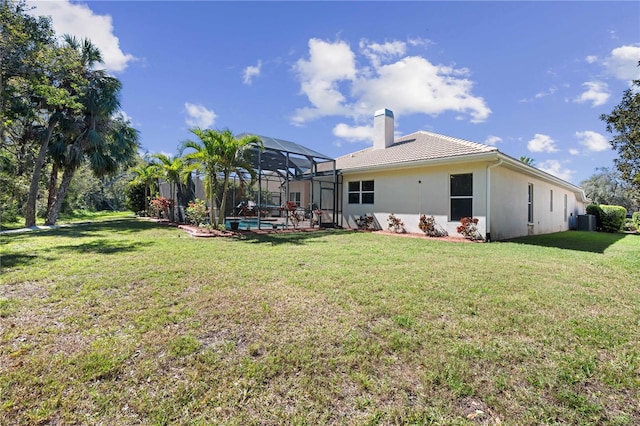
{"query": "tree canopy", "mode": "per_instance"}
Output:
(624, 123)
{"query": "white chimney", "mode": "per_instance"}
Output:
(382, 129)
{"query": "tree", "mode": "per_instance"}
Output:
(98, 134)
(607, 187)
(624, 124)
(527, 160)
(146, 174)
(55, 95)
(219, 152)
(174, 170)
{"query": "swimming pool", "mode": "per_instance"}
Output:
(248, 224)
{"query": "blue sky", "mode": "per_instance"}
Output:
(531, 78)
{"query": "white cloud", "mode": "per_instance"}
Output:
(493, 140)
(623, 62)
(250, 72)
(78, 20)
(597, 93)
(593, 141)
(591, 59)
(378, 53)
(549, 92)
(420, 41)
(414, 85)
(541, 143)
(353, 133)
(328, 64)
(335, 85)
(574, 151)
(199, 116)
(554, 167)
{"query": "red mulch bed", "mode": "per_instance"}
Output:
(197, 231)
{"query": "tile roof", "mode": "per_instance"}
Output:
(418, 146)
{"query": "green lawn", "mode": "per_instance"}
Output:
(125, 322)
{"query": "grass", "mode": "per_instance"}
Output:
(75, 217)
(127, 322)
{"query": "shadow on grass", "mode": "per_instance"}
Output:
(16, 260)
(87, 229)
(594, 242)
(294, 238)
(102, 246)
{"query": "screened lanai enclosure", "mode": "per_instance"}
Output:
(296, 187)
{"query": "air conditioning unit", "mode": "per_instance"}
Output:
(586, 222)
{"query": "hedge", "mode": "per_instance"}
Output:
(613, 218)
(608, 218)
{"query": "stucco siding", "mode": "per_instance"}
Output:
(408, 193)
(509, 205)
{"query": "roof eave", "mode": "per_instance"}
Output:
(465, 158)
(532, 171)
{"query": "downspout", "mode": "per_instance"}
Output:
(488, 208)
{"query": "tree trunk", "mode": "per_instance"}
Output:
(30, 208)
(146, 199)
(53, 184)
(212, 202)
(223, 202)
(52, 217)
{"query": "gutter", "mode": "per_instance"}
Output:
(488, 206)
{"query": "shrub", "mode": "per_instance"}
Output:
(366, 222)
(196, 212)
(160, 206)
(629, 226)
(10, 212)
(395, 224)
(134, 194)
(429, 226)
(636, 219)
(469, 229)
(613, 218)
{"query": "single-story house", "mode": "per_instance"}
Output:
(450, 178)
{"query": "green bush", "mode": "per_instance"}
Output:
(613, 218)
(135, 197)
(636, 219)
(10, 212)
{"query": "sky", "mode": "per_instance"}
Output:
(531, 78)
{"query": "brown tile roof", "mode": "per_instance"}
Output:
(418, 146)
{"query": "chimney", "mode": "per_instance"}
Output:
(382, 129)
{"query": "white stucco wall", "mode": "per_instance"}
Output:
(399, 192)
(509, 206)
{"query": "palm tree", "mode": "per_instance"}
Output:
(527, 160)
(219, 152)
(174, 170)
(146, 174)
(97, 135)
(67, 78)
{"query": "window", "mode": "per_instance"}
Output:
(551, 202)
(461, 193)
(295, 197)
(530, 204)
(361, 192)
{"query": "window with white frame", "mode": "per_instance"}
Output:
(461, 196)
(530, 204)
(361, 192)
(295, 197)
